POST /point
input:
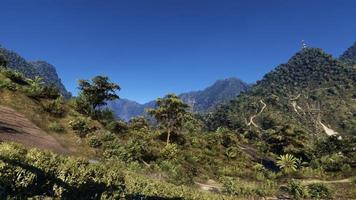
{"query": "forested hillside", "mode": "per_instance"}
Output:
(313, 93)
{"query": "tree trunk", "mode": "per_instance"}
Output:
(168, 135)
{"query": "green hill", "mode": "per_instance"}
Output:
(310, 90)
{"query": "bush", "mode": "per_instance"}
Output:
(14, 76)
(297, 190)
(231, 187)
(80, 126)
(35, 88)
(134, 150)
(50, 92)
(8, 84)
(117, 127)
(55, 107)
(170, 151)
(29, 173)
(81, 105)
(56, 127)
(95, 142)
(319, 191)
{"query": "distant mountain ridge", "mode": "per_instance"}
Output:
(201, 101)
(32, 69)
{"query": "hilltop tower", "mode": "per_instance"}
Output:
(304, 45)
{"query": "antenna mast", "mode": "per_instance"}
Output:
(304, 45)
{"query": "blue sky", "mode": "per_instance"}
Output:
(153, 47)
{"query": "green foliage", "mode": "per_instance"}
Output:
(138, 124)
(55, 107)
(169, 152)
(50, 92)
(96, 93)
(8, 84)
(297, 190)
(118, 127)
(81, 126)
(288, 163)
(95, 142)
(170, 114)
(35, 88)
(320, 191)
(29, 173)
(15, 76)
(133, 150)
(237, 188)
(56, 127)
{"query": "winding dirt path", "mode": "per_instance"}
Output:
(17, 128)
(253, 116)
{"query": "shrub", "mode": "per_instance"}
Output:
(108, 136)
(297, 190)
(117, 127)
(8, 84)
(56, 127)
(95, 142)
(50, 92)
(55, 107)
(80, 125)
(133, 150)
(232, 153)
(288, 163)
(319, 191)
(25, 174)
(231, 187)
(35, 87)
(332, 162)
(14, 76)
(170, 151)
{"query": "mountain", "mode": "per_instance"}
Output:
(200, 101)
(32, 69)
(349, 56)
(220, 92)
(313, 93)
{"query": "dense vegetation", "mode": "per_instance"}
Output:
(268, 142)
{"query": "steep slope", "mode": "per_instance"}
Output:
(202, 101)
(33, 69)
(17, 128)
(349, 56)
(312, 93)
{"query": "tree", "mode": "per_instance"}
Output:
(171, 113)
(3, 61)
(97, 92)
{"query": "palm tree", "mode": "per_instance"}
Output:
(287, 163)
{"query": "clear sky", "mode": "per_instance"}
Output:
(153, 47)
